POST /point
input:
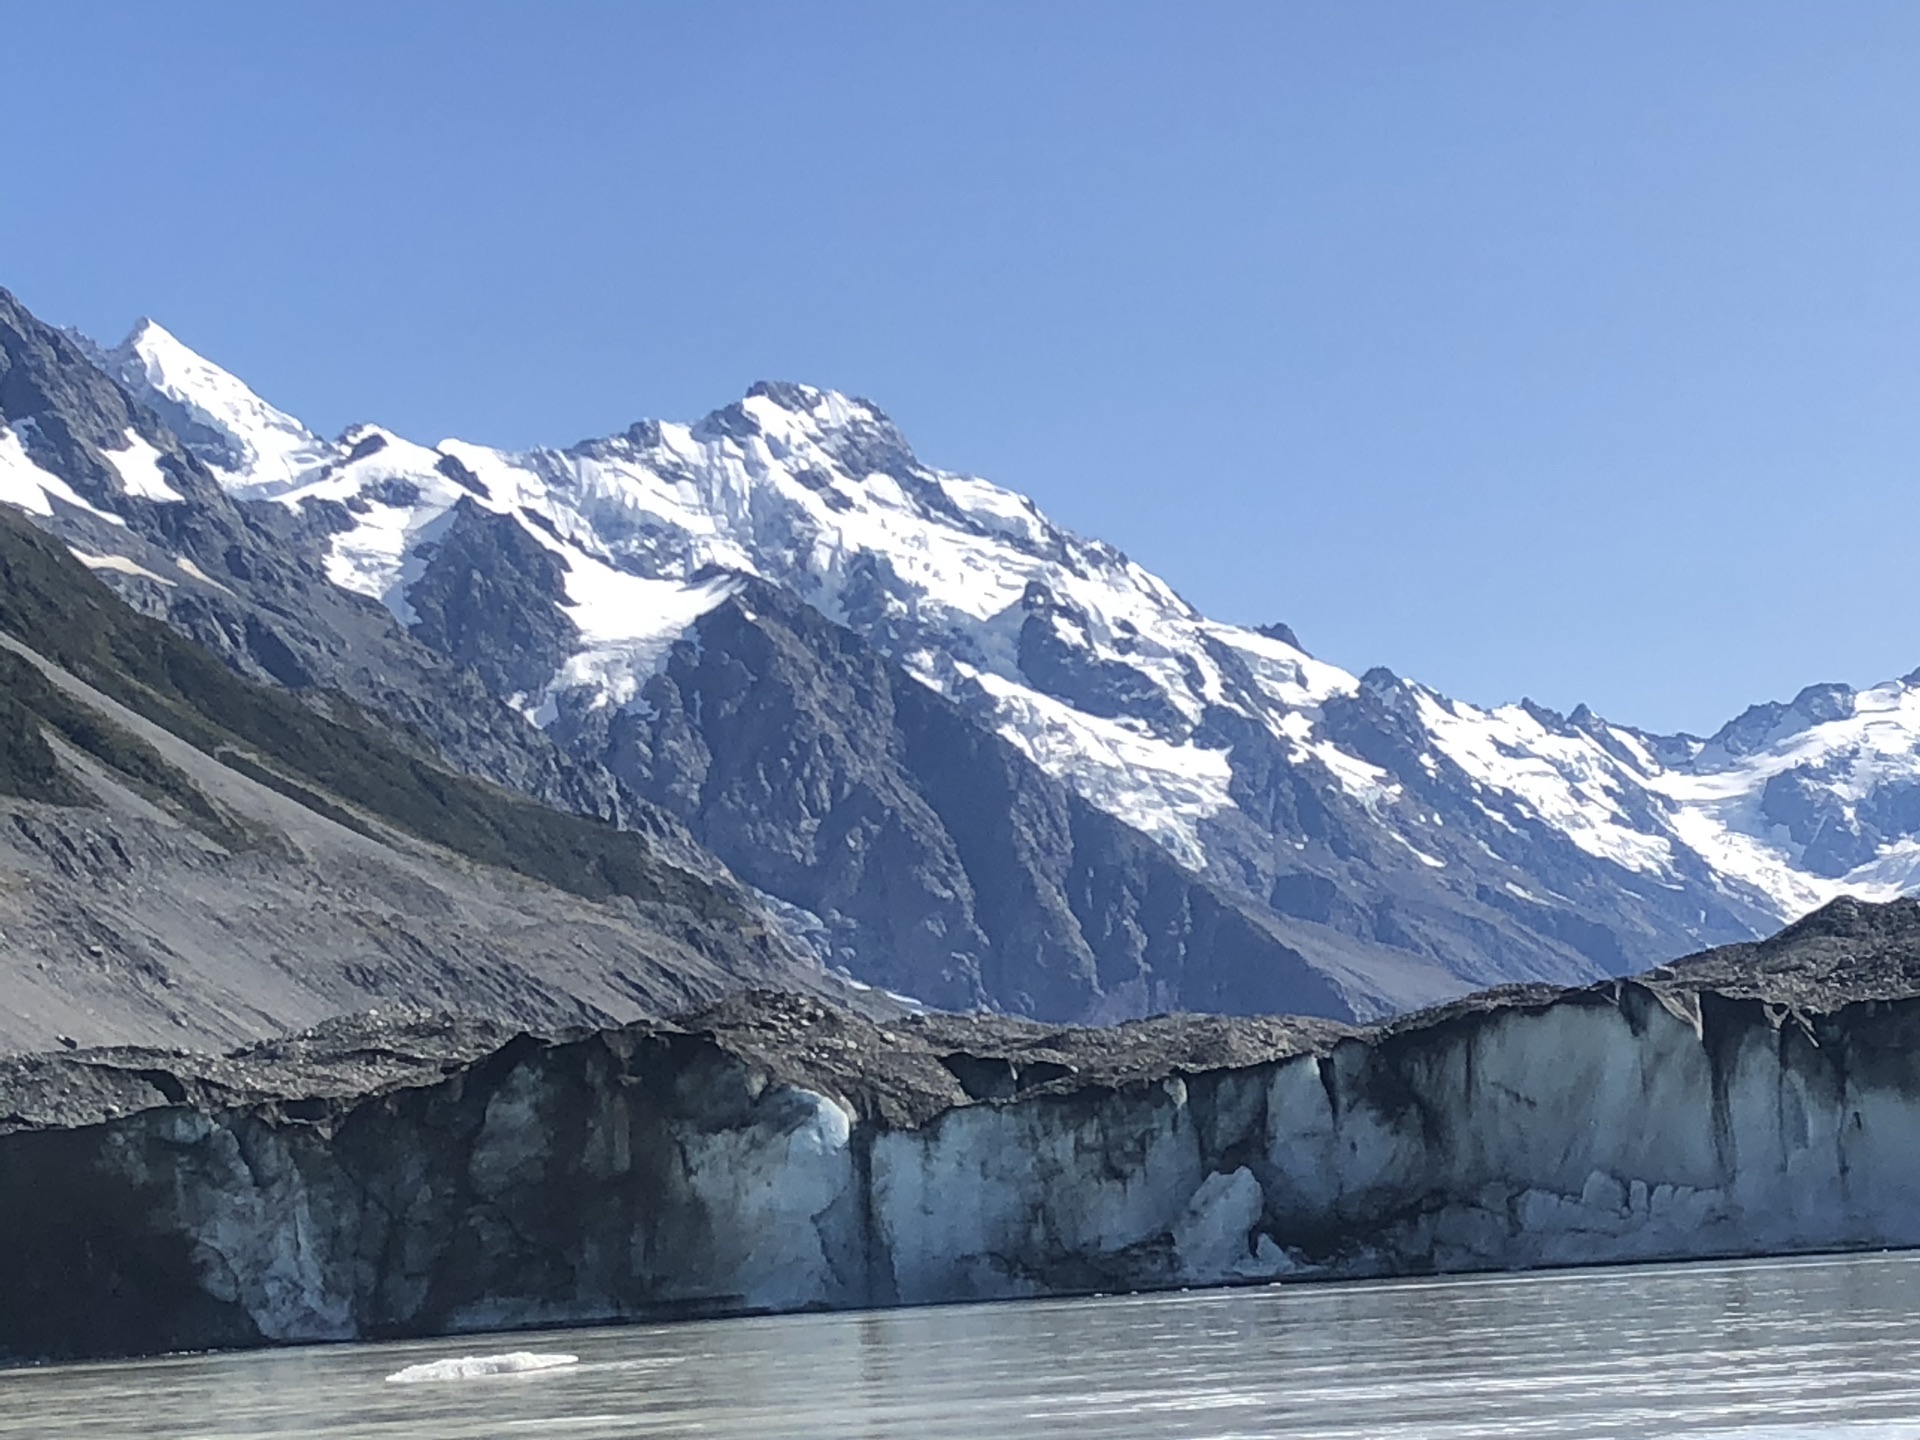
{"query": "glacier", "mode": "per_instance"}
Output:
(774, 1154)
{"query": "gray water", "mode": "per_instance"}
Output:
(1770, 1349)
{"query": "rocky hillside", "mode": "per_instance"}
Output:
(773, 1153)
(188, 856)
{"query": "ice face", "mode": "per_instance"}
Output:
(622, 1175)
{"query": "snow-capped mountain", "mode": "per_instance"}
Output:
(219, 417)
(1093, 666)
(1477, 844)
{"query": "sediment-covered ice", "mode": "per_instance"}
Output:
(643, 1174)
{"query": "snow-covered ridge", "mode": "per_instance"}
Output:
(1094, 667)
(265, 448)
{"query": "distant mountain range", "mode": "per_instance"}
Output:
(951, 749)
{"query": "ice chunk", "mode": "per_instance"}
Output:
(474, 1367)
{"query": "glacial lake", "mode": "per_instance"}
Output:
(1773, 1349)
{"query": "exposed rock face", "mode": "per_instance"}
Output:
(188, 858)
(488, 597)
(943, 862)
(775, 1154)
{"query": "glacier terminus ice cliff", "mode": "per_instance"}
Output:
(388, 1178)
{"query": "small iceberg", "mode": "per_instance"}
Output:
(473, 1367)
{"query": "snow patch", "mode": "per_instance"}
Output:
(138, 467)
(1160, 788)
(1369, 784)
(188, 568)
(628, 625)
(1567, 781)
(120, 564)
(26, 485)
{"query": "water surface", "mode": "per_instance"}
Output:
(1758, 1351)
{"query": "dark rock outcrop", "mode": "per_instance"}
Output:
(491, 597)
(945, 863)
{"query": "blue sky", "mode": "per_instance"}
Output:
(1560, 350)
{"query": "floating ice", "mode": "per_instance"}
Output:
(474, 1367)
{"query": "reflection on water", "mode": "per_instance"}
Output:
(1757, 1351)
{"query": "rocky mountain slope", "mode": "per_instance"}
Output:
(1408, 845)
(772, 1153)
(187, 856)
(85, 461)
(1074, 917)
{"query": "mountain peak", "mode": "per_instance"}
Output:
(257, 448)
(823, 411)
(1760, 726)
(162, 356)
(815, 400)
(1084, 662)
(1283, 632)
(167, 360)
(148, 333)
(843, 430)
(787, 394)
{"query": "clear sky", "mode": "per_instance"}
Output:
(1560, 350)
